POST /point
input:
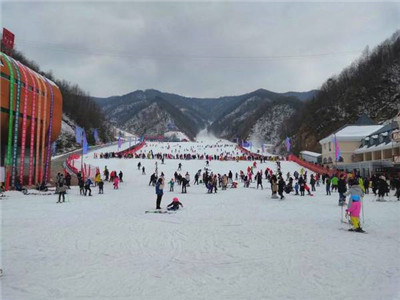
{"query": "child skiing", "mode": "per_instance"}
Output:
(171, 185)
(116, 182)
(174, 205)
(354, 206)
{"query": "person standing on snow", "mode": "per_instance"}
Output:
(354, 206)
(342, 188)
(88, 183)
(159, 193)
(281, 187)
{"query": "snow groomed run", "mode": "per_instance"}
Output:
(235, 244)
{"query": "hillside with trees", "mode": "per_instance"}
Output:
(369, 85)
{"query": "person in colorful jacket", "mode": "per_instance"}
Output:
(334, 183)
(354, 206)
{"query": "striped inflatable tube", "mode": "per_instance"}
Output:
(39, 109)
(11, 114)
(24, 121)
(16, 124)
(43, 127)
(32, 128)
(46, 168)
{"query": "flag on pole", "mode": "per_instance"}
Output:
(85, 146)
(119, 142)
(245, 143)
(96, 135)
(337, 149)
(288, 144)
(78, 134)
(54, 148)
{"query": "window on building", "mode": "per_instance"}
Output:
(340, 159)
(330, 160)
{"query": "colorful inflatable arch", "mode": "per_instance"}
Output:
(31, 113)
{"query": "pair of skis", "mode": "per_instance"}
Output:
(158, 211)
(348, 222)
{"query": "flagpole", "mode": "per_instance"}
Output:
(83, 178)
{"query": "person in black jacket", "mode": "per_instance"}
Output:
(174, 205)
(302, 184)
(68, 180)
(342, 189)
(281, 187)
(312, 183)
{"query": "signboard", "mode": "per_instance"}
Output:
(396, 136)
(8, 39)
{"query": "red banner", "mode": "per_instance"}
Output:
(8, 38)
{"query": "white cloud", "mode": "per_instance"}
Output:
(197, 49)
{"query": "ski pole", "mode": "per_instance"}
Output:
(362, 208)
(341, 214)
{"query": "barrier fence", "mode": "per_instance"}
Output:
(315, 167)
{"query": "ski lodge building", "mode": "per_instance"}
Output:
(31, 113)
(364, 147)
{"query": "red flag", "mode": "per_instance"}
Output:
(8, 38)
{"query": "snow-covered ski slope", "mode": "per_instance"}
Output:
(236, 244)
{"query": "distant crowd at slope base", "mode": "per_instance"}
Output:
(187, 156)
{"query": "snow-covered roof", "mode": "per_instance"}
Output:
(310, 153)
(352, 133)
(382, 146)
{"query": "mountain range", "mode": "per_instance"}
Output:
(370, 85)
(257, 114)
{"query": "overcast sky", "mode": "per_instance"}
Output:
(197, 49)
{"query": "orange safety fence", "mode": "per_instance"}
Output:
(315, 167)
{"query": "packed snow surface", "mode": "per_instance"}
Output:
(236, 244)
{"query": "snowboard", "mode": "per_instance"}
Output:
(159, 212)
(344, 229)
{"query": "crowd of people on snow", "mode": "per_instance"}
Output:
(299, 183)
(63, 183)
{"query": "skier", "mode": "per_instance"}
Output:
(120, 176)
(97, 178)
(68, 180)
(62, 189)
(106, 173)
(184, 185)
(334, 183)
(143, 171)
(159, 193)
(274, 187)
(153, 179)
(296, 187)
(179, 167)
(174, 205)
(354, 209)
(101, 185)
(81, 186)
(342, 189)
(302, 184)
(258, 177)
(171, 185)
(139, 165)
(383, 187)
(312, 182)
(88, 183)
(328, 186)
(116, 182)
(281, 187)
